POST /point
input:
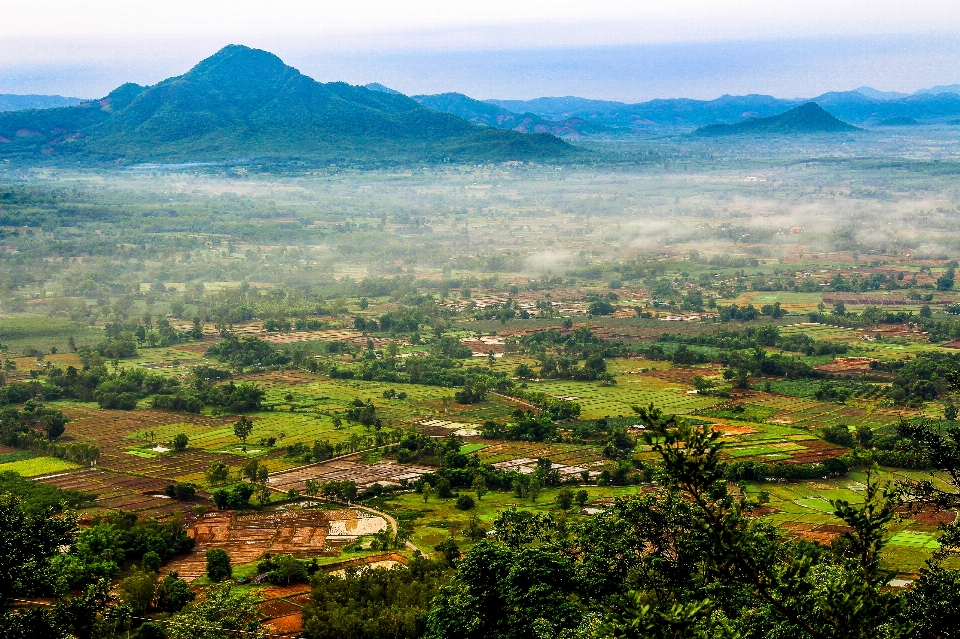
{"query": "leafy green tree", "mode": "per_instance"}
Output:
(137, 590)
(218, 473)
(564, 499)
(582, 497)
(180, 442)
(242, 429)
(221, 612)
(151, 562)
(373, 603)
(218, 565)
(479, 486)
(173, 593)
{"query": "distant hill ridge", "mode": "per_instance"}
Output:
(246, 103)
(804, 119)
(865, 106)
(14, 102)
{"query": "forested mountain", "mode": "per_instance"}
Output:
(246, 103)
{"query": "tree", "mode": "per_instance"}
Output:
(465, 502)
(151, 562)
(180, 442)
(839, 308)
(137, 590)
(173, 593)
(565, 499)
(218, 565)
(28, 544)
(218, 473)
(373, 603)
(479, 486)
(221, 612)
(582, 497)
(242, 429)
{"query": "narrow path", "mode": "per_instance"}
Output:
(393, 524)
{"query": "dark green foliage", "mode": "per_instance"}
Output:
(180, 442)
(28, 544)
(103, 548)
(218, 565)
(249, 351)
(173, 593)
(465, 502)
(838, 434)
(373, 604)
(183, 492)
(345, 490)
(365, 414)
(524, 426)
(234, 498)
(933, 603)
(234, 398)
(34, 417)
(470, 394)
(283, 570)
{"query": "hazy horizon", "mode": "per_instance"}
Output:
(608, 50)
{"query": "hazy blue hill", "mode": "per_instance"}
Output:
(492, 115)
(876, 94)
(862, 106)
(899, 121)
(804, 119)
(941, 88)
(13, 102)
(559, 108)
(243, 103)
(674, 112)
(376, 86)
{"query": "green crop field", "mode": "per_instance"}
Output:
(35, 466)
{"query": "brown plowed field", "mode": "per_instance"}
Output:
(117, 491)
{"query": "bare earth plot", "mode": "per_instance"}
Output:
(346, 468)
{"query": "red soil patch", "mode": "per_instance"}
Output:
(290, 625)
(833, 528)
(928, 515)
(848, 366)
(824, 539)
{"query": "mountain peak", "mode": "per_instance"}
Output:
(376, 86)
(235, 62)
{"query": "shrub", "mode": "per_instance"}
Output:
(465, 502)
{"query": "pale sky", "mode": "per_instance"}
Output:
(508, 49)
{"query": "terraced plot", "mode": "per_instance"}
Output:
(246, 537)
